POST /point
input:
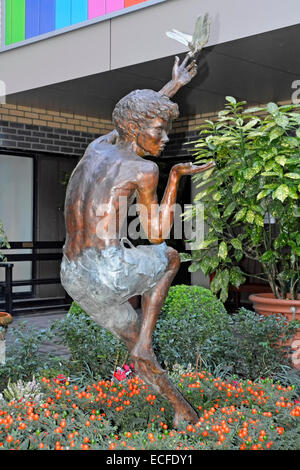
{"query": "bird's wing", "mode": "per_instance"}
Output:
(201, 32)
(180, 37)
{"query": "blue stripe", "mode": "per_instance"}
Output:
(32, 18)
(62, 14)
(79, 11)
(47, 16)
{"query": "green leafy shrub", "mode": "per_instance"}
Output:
(250, 198)
(255, 345)
(190, 327)
(92, 348)
(23, 357)
(245, 344)
(183, 300)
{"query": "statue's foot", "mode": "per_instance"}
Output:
(146, 360)
(188, 415)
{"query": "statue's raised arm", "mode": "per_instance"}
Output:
(183, 73)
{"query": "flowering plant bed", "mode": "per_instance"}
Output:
(127, 415)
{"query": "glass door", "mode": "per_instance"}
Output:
(16, 210)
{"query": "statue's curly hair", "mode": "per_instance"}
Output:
(141, 105)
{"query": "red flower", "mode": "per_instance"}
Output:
(120, 374)
(61, 378)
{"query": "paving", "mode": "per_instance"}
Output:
(40, 321)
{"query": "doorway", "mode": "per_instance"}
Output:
(16, 210)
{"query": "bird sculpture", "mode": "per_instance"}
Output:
(199, 38)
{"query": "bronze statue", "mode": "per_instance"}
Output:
(98, 271)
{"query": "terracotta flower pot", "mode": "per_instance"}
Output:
(266, 304)
(5, 320)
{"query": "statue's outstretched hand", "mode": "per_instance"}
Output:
(182, 169)
(184, 73)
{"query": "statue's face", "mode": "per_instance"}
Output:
(152, 138)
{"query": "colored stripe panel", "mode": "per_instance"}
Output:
(96, 8)
(8, 22)
(47, 16)
(130, 3)
(25, 19)
(62, 13)
(14, 21)
(79, 11)
(32, 18)
(114, 5)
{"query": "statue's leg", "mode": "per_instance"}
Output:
(152, 302)
(146, 363)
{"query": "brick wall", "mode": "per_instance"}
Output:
(50, 131)
(36, 129)
(57, 132)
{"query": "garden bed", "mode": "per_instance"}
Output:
(93, 401)
(104, 415)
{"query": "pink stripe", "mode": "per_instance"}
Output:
(96, 8)
(113, 5)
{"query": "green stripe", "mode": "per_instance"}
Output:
(8, 22)
(18, 21)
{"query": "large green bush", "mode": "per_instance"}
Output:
(190, 326)
(183, 300)
(254, 345)
(245, 343)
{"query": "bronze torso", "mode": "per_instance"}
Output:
(105, 174)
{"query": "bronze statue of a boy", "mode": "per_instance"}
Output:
(98, 271)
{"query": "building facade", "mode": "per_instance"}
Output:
(65, 63)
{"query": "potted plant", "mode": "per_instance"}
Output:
(251, 201)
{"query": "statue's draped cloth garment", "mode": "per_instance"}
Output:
(98, 280)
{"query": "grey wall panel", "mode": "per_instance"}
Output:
(137, 37)
(140, 36)
(71, 55)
